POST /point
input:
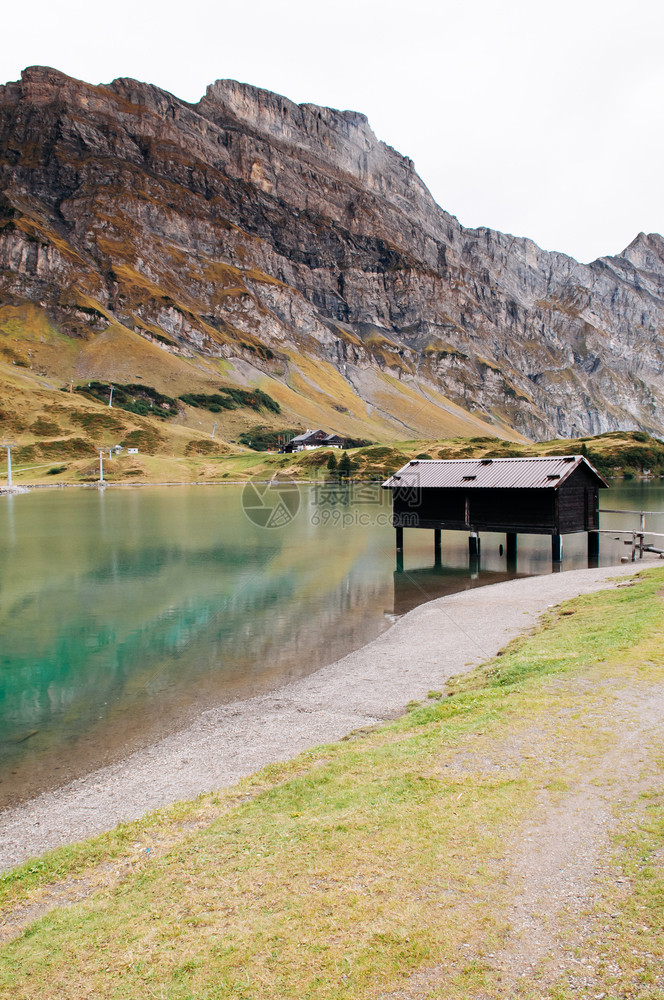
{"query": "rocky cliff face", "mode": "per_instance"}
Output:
(255, 230)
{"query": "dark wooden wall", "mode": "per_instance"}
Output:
(574, 506)
(578, 502)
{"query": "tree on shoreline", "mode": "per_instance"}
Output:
(345, 466)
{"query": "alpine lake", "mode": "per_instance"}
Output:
(125, 612)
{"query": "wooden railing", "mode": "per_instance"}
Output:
(637, 536)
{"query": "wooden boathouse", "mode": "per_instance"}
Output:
(555, 496)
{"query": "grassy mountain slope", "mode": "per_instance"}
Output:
(37, 360)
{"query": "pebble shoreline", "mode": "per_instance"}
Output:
(435, 641)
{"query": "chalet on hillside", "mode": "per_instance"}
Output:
(552, 496)
(314, 439)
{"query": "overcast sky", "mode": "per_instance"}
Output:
(541, 120)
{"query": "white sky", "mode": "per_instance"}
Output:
(542, 120)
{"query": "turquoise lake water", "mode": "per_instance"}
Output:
(125, 612)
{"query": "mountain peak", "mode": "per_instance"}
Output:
(646, 252)
(304, 125)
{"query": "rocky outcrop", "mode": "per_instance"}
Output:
(246, 226)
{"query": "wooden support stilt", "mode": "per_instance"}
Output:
(556, 548)
(511, 551)
(474, 545)
(437, 548)
(399, 538)
(593, 548)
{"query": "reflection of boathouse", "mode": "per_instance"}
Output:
(544, 496)
(430, 583)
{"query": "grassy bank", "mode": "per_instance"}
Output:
(385, 862)
(178, 458)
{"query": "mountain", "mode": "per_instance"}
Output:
(247, 240)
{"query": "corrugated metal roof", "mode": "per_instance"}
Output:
(484, 473)
(305, 436)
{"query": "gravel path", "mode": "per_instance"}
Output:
(561, 855)
(565, 846)
(419, 653)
